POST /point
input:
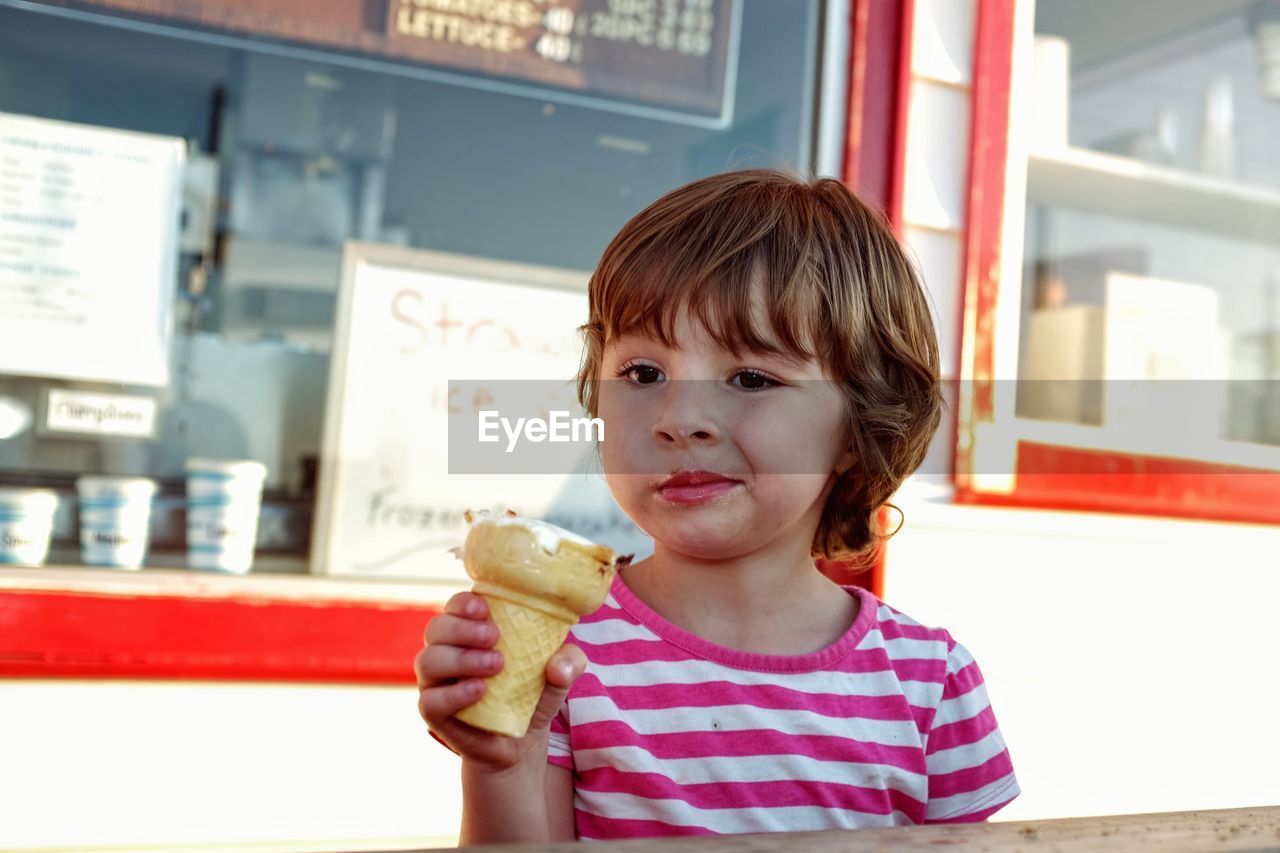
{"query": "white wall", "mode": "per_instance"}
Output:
(97, 764)
(1133, 663)
(936, 168)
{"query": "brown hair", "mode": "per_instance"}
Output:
(836, 285)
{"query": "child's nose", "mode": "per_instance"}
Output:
(680, 437)
(687, 415)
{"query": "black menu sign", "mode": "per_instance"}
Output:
(667, 53)
(673, 57)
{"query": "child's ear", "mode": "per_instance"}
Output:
(844, 462)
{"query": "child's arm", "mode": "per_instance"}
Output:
(507, 785)
(560, 819)
(524, 803)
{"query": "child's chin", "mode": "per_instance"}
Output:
(703, 545)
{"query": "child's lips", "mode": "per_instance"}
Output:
(695, 488)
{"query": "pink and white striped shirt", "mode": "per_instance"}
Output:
(667, 734)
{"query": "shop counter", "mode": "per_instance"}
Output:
(60, 622)
(1227, 829)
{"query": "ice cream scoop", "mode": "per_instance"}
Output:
(538, 580)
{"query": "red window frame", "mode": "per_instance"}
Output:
(1044, 475)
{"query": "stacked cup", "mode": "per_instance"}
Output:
(115, 517)
(223, 500)
(26, 524)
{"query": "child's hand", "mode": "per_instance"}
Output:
(451, 667)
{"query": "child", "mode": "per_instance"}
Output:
(762, 354)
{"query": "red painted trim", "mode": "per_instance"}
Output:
(984, 217)
(855, 106)
(45, 634)
(989, 151)
(874, 154)
(902, 107)
(873, 127)
(1067, 478)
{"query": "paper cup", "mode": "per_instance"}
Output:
(115, 520)
(26, 523)
(223, 500)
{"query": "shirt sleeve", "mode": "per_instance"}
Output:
(970, 773)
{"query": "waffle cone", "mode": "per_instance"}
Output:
(527, 638)
(535, 597)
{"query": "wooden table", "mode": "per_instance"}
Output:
(1227, 829)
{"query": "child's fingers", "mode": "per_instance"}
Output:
(565, 666)
(439, 663)
(438, 704)
(468, 604)
(464, 605)
(447, 629)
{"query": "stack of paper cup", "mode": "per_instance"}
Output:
(115, 518)
(26, 523)
(223, 500)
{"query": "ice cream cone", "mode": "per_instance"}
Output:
(538, 580)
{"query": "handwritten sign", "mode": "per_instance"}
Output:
(100, 414)
(408, 323)
(660, 56)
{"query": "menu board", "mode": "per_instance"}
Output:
(655, 56)
(88, 245)
(409, 324)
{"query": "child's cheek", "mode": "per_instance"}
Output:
(627, 435)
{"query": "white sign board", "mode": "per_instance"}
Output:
(88, 247)
(93, 413)
(409, 322)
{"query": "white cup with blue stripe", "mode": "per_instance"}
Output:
(115, 520)
(26, 524)
(224, 497)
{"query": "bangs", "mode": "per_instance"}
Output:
(726, 261)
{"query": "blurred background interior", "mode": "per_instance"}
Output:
(292, 150)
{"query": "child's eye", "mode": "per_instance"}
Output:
(641, 374)
(753, 380)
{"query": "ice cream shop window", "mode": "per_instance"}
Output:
(1128, 358)
(242, 254)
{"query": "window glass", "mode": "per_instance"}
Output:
(289, 154)
(1151, 287)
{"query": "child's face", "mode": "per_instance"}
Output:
(767, 432)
